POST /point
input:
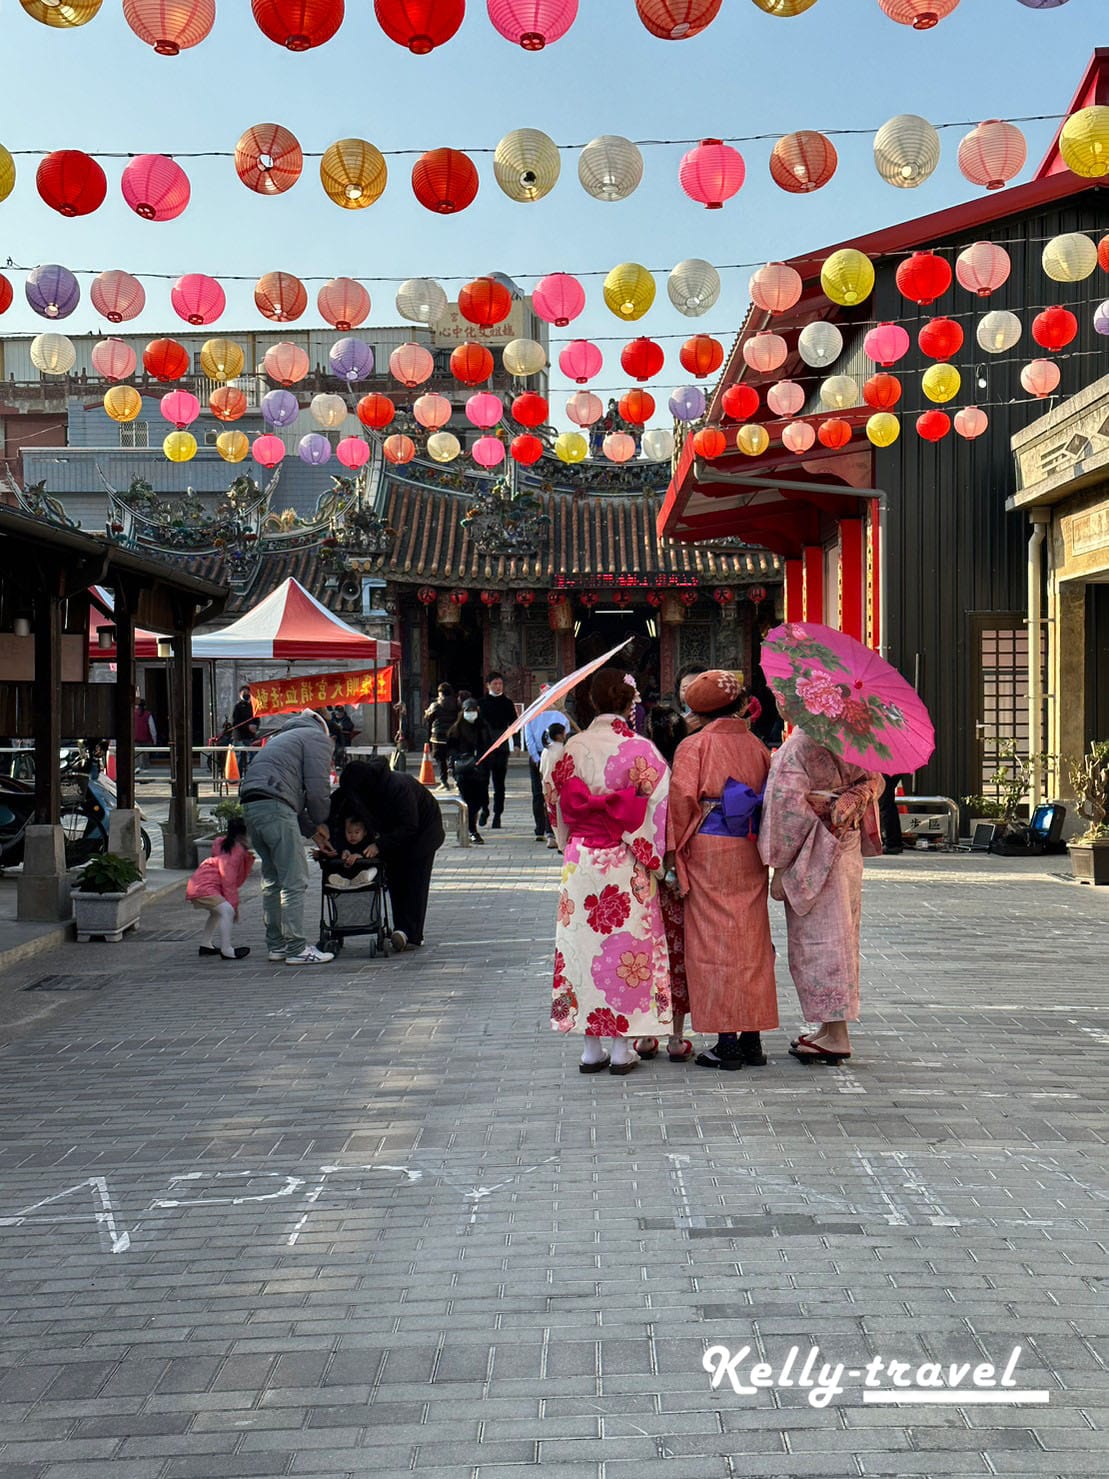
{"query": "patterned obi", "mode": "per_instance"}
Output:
(600, 821)
(736, 813)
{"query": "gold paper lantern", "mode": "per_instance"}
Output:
(941, 383)
(329, 411)
(847, 277)
(122, 402)
(526, 164)
(571, 446)
(524, 357)
(752, 439)
(839, 392)
(53, 354)
(353, 173)
(180, 446)
(883, 429)
(629, 291)
(1071, 257)
(1084, 142)
(64, 14)
(221, 359)
(443, 446)
(7, 173)
(233, 446)
(785, 8)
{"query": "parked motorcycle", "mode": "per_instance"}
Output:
(88, 800)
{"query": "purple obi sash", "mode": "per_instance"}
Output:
(736, 814)
(600, 821)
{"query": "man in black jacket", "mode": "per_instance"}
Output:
(498, 711)
(244, 727)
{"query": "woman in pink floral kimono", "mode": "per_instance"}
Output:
(612, 974)
(819, 819)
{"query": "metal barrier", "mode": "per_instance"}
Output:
(933, 804)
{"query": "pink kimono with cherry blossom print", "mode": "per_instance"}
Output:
(612, 971)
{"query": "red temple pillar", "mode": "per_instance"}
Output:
(874, 635)
(852, 578)
(793, 596)
(812, 600)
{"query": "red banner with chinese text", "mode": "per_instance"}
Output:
(322, 690)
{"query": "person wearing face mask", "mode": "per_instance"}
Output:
(467, 742)
(498, 711)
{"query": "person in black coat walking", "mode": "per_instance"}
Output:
(498, 711)
(439, 715)
(467, 742)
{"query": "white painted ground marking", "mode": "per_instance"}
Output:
(937, 1213)
(105, 1218)
(1094, 1032)
(676, 1164)
(478, 1194)
(846, 1082)
(896, 1214)
(291, 1184)
(313, 1196)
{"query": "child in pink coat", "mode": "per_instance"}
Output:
(215, 886)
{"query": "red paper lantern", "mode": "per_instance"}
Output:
(490, 598)
(173, 28)
(933, 426)
(427, 595)
(343, 303)
(702, 355)
(71, 183)
(677, 20)
(227, 402)
(834, 433)
(472, 364)
(280, 297)
(398, 449)
(530, 409)
(525, 598)
(803, 161)
(375, 411)
(740, 402)
(268, 159)
(421, 25)
(642, 358)
(638, 406)
(444, 181)
(1103, 254)
(709, 443)
(459, 598)
(165, 359)
(756, 595)
(940, 338)
(923, 277)
(298, 25)
(881, 392)
(6, 294)
(1054, 328)
(485, 302)
(526, 450)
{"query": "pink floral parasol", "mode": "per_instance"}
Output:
(847, 698)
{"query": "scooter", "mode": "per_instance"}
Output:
(88, 800)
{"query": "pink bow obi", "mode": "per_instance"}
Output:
(600, 821)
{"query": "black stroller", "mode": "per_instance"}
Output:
(350, 909)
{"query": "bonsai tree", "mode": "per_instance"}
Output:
(1089, 780)
(1013, 779)
(108, 873)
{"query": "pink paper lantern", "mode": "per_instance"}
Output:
(354, 453)
(286, 363)
(1041, 377)
(397, 449)
(532, 24)
(711, 173)
(170, 26)
(766, 352)
(786, 398)
(488, 452)
(180, 408)
(992, 154)
(118, 296)
(343, 303)
(775, 288)
(558, 299)
(484, 409)
(971, 422)
(113, 359)
(268, 450)
(618, 446)
(584, 408)
(156, 188)
(580, 361)
(798, 437)
(886, 344)
(411, 364)
(197, 299)
(983, 267)
(432, 411)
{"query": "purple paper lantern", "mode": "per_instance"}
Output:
(351, 359)
(1043, 4)
(280, 407)
(52, 291)
(314, 449)
(1101, 318)
(687, 403)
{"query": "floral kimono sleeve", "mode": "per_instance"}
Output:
(792, 837)
(648, 776)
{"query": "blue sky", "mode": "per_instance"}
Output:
(843, 65)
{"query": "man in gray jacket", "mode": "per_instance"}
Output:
(286, 795)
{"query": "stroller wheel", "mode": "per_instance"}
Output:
(373, 947)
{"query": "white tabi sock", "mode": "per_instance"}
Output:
(593, 1050)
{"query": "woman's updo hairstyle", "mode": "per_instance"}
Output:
(612, 691)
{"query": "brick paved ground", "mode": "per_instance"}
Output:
(370, 1219)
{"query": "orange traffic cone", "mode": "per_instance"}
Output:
(904, 810)
(427, 768)
(110, 763)
(230, 766)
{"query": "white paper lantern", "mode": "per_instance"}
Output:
(906, 151)
(443, 446)
(839, 392)
(1041, 377)
(421, 300)
(53, 354)
(610, 167)
(526, 164)
(658, 444)
(693, 286)
(786, 398)
(524, 357)
(998, 331)
(1070, 258)
(819, 344)
(328, 410)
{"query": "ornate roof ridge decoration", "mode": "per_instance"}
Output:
(33, 499)
(503, 521)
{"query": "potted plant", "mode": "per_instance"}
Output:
(107, 897)
(982, 809)
(1089, 780)
(1012, 780)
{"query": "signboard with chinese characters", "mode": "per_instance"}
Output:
(322, 690)
(605, 581)
(452, 329)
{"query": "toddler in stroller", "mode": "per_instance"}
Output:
(355, 899)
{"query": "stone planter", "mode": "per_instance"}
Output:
(202, 847)
(1090, 861)
(107, 914)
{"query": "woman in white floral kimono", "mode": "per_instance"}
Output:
(612, 971)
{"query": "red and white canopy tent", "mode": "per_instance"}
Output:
(290, 625)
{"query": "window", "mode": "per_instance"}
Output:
(134, 434)
(1001, 688)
